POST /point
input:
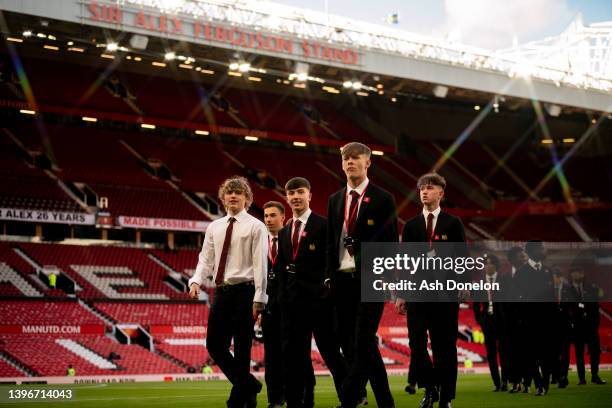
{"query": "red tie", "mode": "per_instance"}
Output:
(353, 212)
(219, 279)
(295, 239)
(274, 248)
(430, 218)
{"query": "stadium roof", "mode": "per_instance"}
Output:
(572, 69)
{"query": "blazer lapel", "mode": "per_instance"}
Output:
(441, 223)
(365, 202)
(304, 238)
(422, 228)
(287, 242)
(340, 212)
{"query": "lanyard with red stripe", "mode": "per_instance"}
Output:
(273, 258)
(353, 213)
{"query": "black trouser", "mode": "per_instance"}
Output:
(231, 316)
(440, 319)
(271, 326)
(357, 327)
(495, 346)
(514, 339)
(302, 321)
(543, 356)
(561, 341)
(580, 335)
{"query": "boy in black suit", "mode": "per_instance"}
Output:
(440, 319)
(489, 314)
(533, 286)
(583, 310)
(274, 218)
(359, 212)
(307, 307)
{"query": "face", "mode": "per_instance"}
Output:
(234, 201)
(431, 195)
(521, 259)
(490, 267)
(356, 166)
(274, 219)
(538, 253)
(299, 199)
(577, 275)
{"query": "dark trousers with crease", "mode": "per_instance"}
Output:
(231, 317)
(301, 322)
(357, 326)
(440, 319)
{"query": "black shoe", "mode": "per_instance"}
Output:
(362, 402)
(563, 383)
(445, 405)
(526, 390)
(516, 388)
(431, 396)
(540, 392)
(597, 380)
(497, 389)
(504, 387)
(309, 399)
(275, 405)
(410, 389)
(582, 382)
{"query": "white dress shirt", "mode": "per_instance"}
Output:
(347, 262)
(247, 259)
(491, 279)
(535, 265)
(435, 213)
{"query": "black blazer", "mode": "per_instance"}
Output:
(376, 222)
(481, 306)
(449, 233)
(448, 229)
(533, 286)
(586, 316)
(307, 283)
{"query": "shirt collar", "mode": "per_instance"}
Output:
(304, 217)
(359, 189)
(492, 277)
(435, 212)
(270, 236)
(241, 216)
(533, 263)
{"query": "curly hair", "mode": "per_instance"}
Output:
(236, 184)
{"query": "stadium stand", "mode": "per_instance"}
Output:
(115, 159)
(149, 314)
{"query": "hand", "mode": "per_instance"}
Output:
(194, 291)
(258, 307)
(400, 306)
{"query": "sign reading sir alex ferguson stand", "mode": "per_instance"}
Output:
(183, 26)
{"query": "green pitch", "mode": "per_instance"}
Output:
(473, 391)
